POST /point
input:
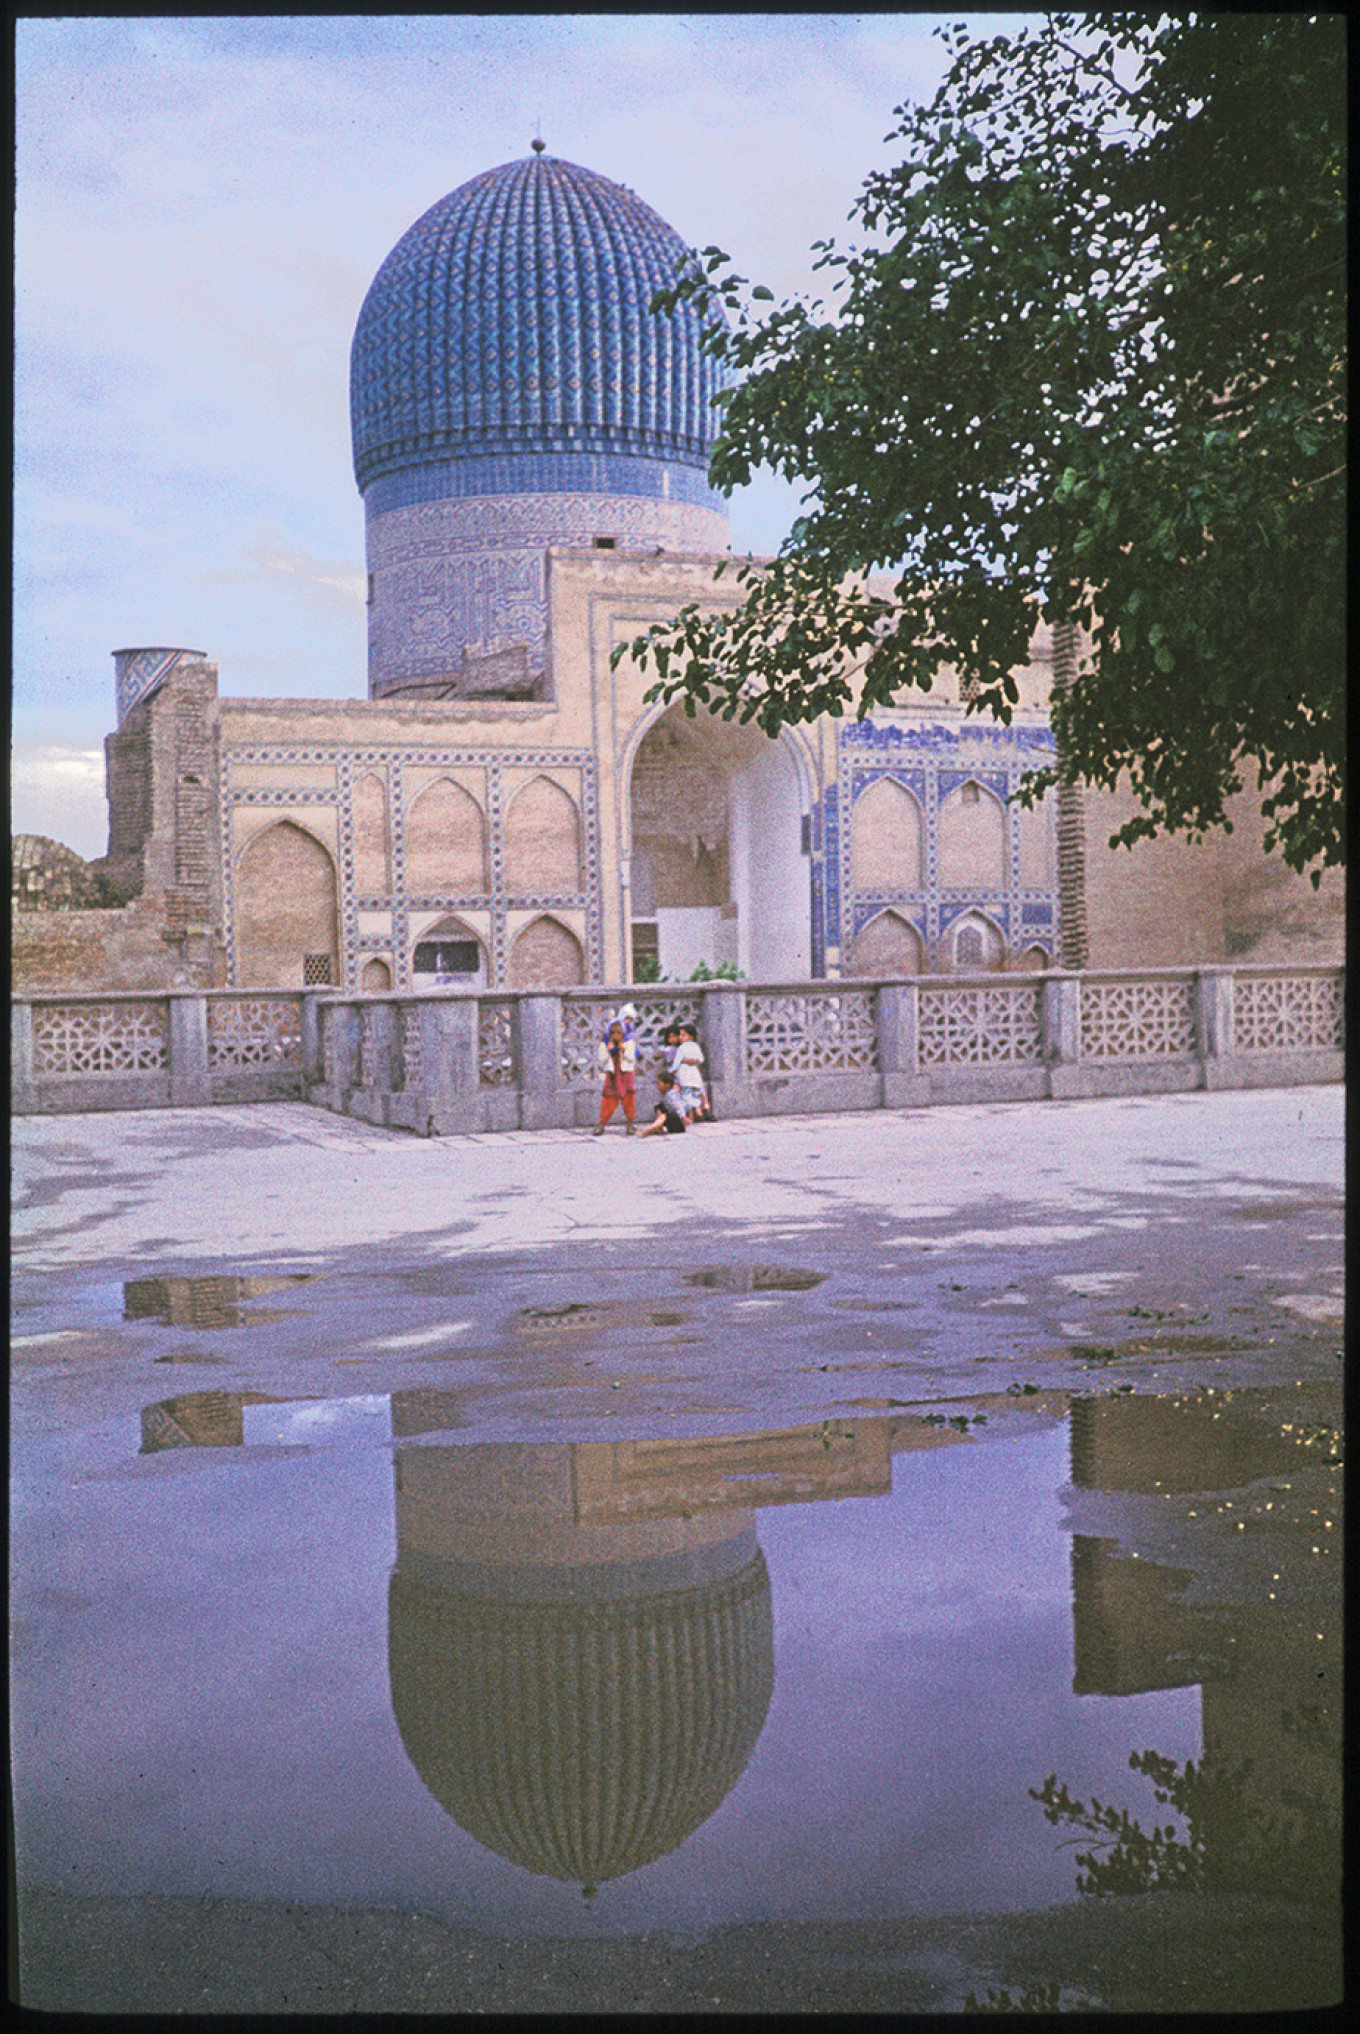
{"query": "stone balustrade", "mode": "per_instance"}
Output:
(441, 1063)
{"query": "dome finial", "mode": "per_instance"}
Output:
(538, 145)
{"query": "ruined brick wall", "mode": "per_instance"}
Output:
(161, 777)
(1171, 902)
(132, 948)
(127, 787)
(1270, 912)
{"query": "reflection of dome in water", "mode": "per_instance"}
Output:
(582, 1738)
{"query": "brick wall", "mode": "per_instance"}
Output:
(133, 948)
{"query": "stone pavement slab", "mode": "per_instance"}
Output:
(767, 1271)
(951, 1276)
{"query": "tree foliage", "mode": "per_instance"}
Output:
(1086, 366)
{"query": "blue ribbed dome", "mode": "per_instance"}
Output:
(514, 318)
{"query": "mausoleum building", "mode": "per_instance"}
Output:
(505, 808)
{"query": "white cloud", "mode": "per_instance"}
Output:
(271, 556)
(59, 792)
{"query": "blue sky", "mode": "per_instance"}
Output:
(202, 204)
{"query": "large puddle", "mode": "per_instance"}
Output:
(337, 1653)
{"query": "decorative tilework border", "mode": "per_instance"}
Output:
(929, 760)
(139, 673)
(390, 762)
(682, 477)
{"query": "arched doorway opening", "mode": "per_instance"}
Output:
(720, 872)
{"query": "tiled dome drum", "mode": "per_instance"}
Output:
(510, 389)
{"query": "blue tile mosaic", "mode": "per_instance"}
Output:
(596, 472)
(514, 319)
(139, 673)
(931, 759)
(940, 737)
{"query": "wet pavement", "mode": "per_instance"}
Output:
(882, 1563)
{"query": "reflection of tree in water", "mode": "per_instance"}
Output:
(1243, 1494)
(1227, 1839)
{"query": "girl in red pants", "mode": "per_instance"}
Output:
(618, 1063)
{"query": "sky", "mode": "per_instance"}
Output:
(201, 206)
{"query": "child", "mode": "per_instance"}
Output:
(618, 1061)
(669, 1117)
(689, 1059)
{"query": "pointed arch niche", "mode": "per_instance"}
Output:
(720, 871)
(887, 945)
(542, 841)
(972, 839)
(368, 818)
(546, 955)
(974, 945)
(886, 838)
(450, 952)
(445, 843)
(285, 910)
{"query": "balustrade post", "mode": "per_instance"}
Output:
(453, 1080)
(544, 1102)
(346, 1051)
(1060, 1012)
(312, 1069)
(1213, 1023)
(897, 1016)
(23, 1089)
(190, 1077)
(384, 1020)
(722, 1025)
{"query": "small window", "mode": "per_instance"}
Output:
(970, 794)
(447, 957)
(316, 970)
(968, 950)
(370, 589)
(606, 543)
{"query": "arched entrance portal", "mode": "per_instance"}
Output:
(720, 871)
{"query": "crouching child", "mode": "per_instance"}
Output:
(670, 1115)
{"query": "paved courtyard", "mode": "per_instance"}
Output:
(562, 1280)
(938, 1278)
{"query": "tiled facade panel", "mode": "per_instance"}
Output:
(888, 944)
(445, 842)
(449, 857)
(372, 848)
(970, 856)
(546, 955)
(447, 576)
(887, 850)
(542, 839)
